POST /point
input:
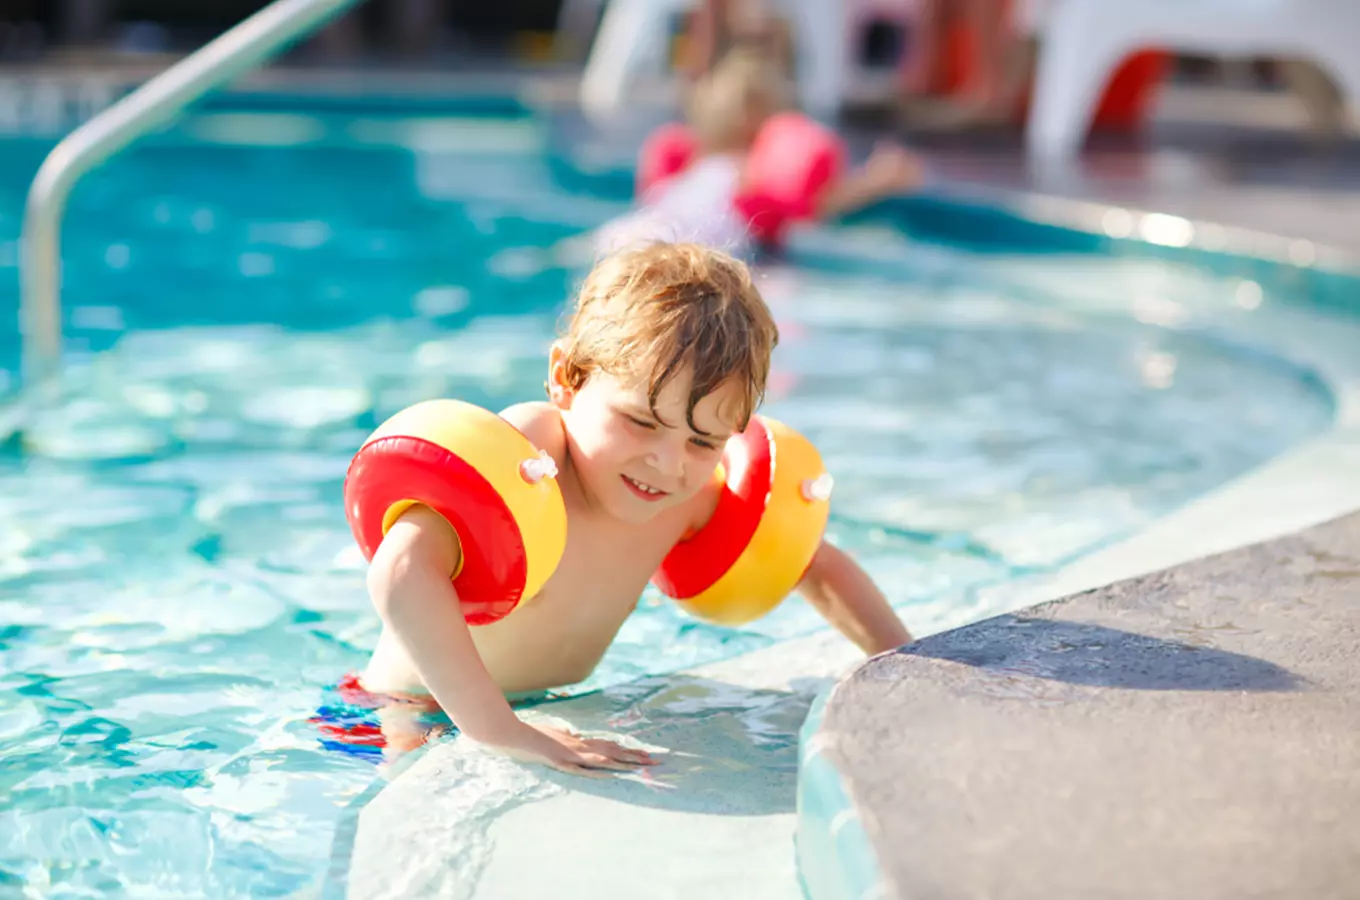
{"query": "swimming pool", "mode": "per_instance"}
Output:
(249, 293)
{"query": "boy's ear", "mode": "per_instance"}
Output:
(559, 393)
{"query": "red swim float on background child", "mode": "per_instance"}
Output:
(792, 161)
(665, 153)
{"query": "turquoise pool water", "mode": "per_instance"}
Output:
(249, 293)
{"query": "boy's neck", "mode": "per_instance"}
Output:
(734, 142)
(731, 148)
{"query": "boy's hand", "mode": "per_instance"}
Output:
(567, 751)
(892, 168)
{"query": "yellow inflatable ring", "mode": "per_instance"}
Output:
(762, 537)
(484, 476)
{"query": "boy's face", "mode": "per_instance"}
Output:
(634, 462)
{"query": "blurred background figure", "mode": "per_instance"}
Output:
(717, 26)
(735, 181)
(959, 62)
(996, 80)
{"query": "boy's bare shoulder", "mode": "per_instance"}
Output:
(702, 506)
(541, 423)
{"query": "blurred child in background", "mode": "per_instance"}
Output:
(719, 193)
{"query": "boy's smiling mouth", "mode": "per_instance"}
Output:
(642, 489)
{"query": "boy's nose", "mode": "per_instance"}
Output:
(667, 462)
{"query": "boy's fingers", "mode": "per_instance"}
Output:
(641, 756)
(602, 761)
(620, 752)
(576, 764)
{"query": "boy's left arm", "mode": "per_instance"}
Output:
(848, 598)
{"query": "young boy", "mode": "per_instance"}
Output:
(666, 357)
(726, 111)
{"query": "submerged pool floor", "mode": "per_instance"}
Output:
(178, 590)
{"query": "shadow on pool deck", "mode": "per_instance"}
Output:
(1096, 656)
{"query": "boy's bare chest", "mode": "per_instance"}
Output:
(558, 636)
(604, 570)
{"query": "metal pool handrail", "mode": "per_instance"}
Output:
(157, 101)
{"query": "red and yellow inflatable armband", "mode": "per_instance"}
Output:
(762, 537)
(484, 476)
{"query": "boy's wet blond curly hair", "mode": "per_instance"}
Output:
(655, 311)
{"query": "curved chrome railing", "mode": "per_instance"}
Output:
(253, 41)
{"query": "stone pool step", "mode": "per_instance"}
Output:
(716, 819)
(1192, 733)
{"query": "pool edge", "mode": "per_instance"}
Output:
(835, 858)
(1023, 734)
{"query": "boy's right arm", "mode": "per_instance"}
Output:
(889, 170)
(410, 586)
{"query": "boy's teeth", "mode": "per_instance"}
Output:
(643, 487)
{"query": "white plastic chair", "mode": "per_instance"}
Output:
(632, 41)
(1082, 42)
(576, 23)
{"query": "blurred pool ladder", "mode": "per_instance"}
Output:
(253, 41)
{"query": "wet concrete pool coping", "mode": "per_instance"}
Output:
(1187, 733)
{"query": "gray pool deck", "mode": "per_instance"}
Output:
(1194, 732)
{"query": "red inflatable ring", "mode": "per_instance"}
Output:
(479, 472)
(765, 530)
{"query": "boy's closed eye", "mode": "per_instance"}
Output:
(640, 422)
(651, 425)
